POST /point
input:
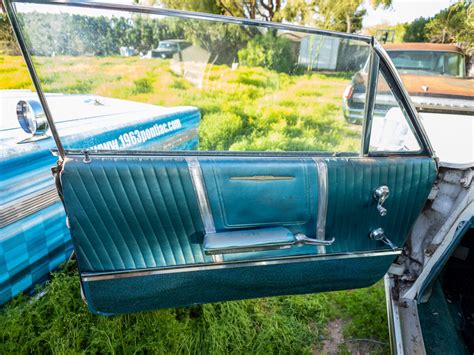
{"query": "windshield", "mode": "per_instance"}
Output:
(167, 45)
(428, 62)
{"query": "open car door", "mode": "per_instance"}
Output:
(281, 195)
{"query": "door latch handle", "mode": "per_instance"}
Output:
(380, 195)
(379, 235)
(302, 239)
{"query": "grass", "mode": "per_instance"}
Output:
(310, 119)
(59, 322)
(246, 108)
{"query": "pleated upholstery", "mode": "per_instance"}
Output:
(352, 212)
(132, 214)
(129, 213)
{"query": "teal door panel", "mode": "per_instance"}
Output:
(109, 295)
(242, 192)
(352, 212)
(138, 224)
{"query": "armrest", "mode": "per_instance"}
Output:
(249, 240)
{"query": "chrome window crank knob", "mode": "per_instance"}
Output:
(381, 193)
(379, 235)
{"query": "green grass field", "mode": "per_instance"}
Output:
(243, 109)
(59, 322)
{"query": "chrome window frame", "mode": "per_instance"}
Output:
(379, 60)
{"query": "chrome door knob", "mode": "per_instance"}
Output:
(379, 235)
(380, 195)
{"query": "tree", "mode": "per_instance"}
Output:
(8, 43)
(453, 25)
(416, 31)
(340, 15)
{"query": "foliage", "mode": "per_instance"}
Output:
(399, 30)
(59, 322)
(268, 10)
(94, 35)
(268, 51)
(453, 25)
(268, 118)
(219, 130)
(366, 309)
(8, 45)
(13, 73)
(338, 15)
(245, 108)
(143, 85)
(416, 30)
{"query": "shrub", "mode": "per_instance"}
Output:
(218, 131)
(143, 86)
(270, 52)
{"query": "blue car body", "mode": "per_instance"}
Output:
(34, 237)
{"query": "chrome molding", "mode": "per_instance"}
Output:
(322, 171)
(201, 194)
(395, 332)
(407, 104)
(261, 178)
(203, 202)
(23, 207)
(230, 265)
(369, 101)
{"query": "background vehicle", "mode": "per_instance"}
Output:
(35, 238)
(166, 49)
(434, 75)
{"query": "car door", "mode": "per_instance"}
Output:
(282, 196)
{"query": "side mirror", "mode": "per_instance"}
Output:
(32, 119)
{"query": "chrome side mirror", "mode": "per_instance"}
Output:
(32, 119)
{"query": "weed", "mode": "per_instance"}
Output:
(142, 86)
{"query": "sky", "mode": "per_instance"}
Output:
(403, 11)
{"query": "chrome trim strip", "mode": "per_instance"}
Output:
(322, 171)
(369, 105)
(231, 265)
(415, 121)
(201, 194)
(225, 154)
(25, 206)
(394, 329)
(193, 15)
(261, 178)
(203, 202)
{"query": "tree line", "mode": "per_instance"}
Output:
(452, 25)
(78, 34)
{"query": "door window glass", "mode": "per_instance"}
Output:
(391, 131)
(121, 81)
